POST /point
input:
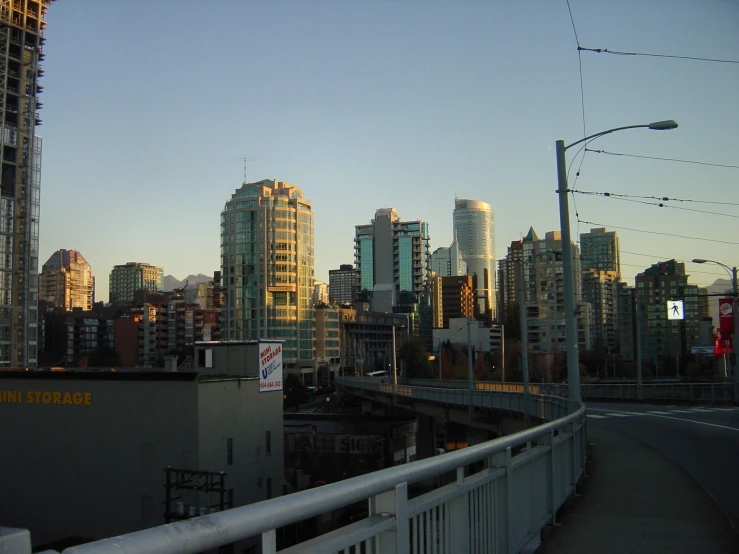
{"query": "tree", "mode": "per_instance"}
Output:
(415, 359)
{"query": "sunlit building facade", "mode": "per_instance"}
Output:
(474, 226)
(66, 281)
(267, 265)
(128, 278)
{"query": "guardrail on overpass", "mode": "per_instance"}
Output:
(491, 497)
(673, 392)
(495, 396)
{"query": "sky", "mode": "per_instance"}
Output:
(151, 106)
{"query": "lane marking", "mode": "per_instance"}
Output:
(695, 421)
(660, 413)
(680, 412)
(619, 415)
(597, 416)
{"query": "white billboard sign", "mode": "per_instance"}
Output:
(270, 367)
(675, 309)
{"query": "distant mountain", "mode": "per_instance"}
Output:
(171, 282)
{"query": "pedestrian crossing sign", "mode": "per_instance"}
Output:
(675, 309)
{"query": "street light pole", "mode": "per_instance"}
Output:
(573, 366)
(735, 317)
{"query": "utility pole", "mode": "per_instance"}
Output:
(524, 345)
(469, 368)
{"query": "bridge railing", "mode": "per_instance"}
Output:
(508, 397)
(491, 497)
(673, 392)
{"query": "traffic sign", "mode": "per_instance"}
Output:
(675, 309)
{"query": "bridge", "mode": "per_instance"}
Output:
(493, 497)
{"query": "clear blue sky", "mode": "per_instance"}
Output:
(148, 106)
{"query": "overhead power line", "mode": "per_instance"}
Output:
(662, 159)
(661, 198)
(657, 204)
(619, 53)
(656, 233)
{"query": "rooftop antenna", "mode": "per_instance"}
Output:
(245, 159)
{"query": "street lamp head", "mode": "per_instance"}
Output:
(663, 125)
(699, 261)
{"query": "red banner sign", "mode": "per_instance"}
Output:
(726, 315)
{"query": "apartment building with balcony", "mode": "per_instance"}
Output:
(393, 259)
(543, 274)
(267, 263)
(600, 289)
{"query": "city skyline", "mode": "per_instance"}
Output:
(376, 105)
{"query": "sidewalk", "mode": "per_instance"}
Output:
(636, 501)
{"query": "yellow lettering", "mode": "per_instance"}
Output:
(2, 396)
(46, 397)
(37, 396)
(88, 399)
(29, 397)
(56, 397)
(67, 398)
(77, 398)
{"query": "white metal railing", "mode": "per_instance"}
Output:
(491, 497)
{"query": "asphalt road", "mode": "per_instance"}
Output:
(703, 440)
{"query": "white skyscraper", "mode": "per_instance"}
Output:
(474, 225)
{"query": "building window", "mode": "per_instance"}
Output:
(269, 443)
(229, 452)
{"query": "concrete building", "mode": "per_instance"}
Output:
(665, 341)
(448, 261)
(267, 265)
(128, 278)
(484, 338)
(367, 339)
(328, 345)
(544, 295)
(342, 284)
(600, 289)
(66, 281)
(95, 445)
(600, 250)
(393, 260)
(21, 53)
(474, 227)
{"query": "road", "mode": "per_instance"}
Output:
(703, 440)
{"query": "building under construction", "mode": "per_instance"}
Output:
(21, 42)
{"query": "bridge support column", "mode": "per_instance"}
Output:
(425, 437)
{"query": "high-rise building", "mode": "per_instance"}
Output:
(447, 261)
(601, 290)
(663, 340)
(128, 278)
(544, 295)
(474, 226)
(267, 261)
(21, 41)
(342, 284)
(509, 275)
(600, 250)
(66, 281)
(393, 260)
